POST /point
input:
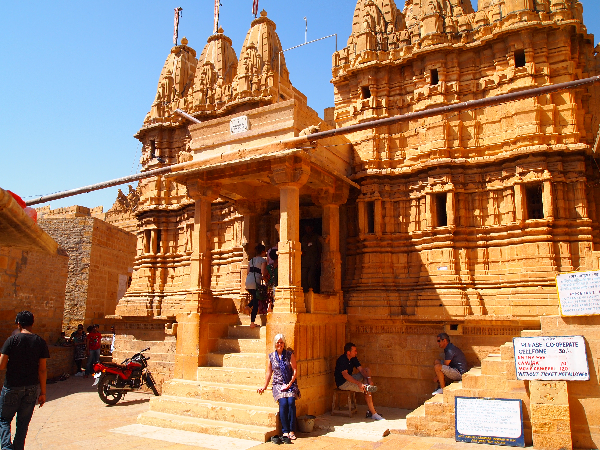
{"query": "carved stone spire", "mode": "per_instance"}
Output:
(216, 70)
(175, 82)
(262, 71)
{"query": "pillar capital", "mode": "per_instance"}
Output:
(293, 171)
(337, 195)
(249, 207)
(197, 189)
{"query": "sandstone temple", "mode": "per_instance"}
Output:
(457, 223)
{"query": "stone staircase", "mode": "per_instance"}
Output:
(496, 378)
(223, 401)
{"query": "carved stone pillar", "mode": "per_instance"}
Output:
(289, 176)
(548, 200)
(520, 212)
(331, 265)
(450, 209)
(200, 295)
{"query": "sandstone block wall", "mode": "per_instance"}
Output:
(100, 257)
(33, 281)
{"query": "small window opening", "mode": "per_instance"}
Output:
(148, 236)
(158, 239)
(366, 92)
(453, 327)
(152, 149)
(370, 206)
(535, 206)
(440, 209)
(282, 96)
(435, 78)
(520, 58)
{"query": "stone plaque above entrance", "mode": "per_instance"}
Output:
(238, 124)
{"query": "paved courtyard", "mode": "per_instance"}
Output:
(75, 418)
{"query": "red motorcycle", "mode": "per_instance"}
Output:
(116, 380)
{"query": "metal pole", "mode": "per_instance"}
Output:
(95, 187)
(187, 116)
(473, 104)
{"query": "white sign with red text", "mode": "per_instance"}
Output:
(551, 358)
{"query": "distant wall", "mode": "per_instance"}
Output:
(111, 266)
(33, 281)
(74, 235)
(100, 257)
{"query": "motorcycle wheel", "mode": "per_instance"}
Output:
(104, 385)
(151, 383)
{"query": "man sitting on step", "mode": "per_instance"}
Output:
(347, 382)
(453, 366)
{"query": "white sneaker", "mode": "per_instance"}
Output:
(377, 417)
(438, 391)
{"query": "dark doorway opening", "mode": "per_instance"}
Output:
(311, 241)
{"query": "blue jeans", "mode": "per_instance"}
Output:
(20, 401)
(287, 414)
(92, 359)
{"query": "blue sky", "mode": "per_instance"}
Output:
(78, 78)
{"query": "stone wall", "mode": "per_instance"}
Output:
(111, 265)
(33, 281)
(100, 257)
(74, 235)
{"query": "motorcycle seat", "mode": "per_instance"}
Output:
(114, 365)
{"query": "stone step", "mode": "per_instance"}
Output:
(213, 427)
(237, 345)
(220, 411)
(415, 420)
(219, 392)
(260, 319)
(233, 375)
(434, 406)
(493, 365)
(241, 360)
(472, 379)
(245, 332)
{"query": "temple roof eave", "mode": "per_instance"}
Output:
(259, 167)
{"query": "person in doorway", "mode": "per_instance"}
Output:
(347, 381)
(311, 259)
(24, 357)
(94, 343)
(257, 272)
(282, 366)
(453, 366)
(78, 341)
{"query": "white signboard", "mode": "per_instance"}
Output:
(551, 358)
(489, 421)
(579, 293)
(238, 124)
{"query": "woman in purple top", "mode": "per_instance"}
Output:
(282, 366)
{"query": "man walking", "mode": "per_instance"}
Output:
(23, 355)
(453, 366)
(346, 381)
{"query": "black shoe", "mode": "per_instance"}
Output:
(286, 440)
(276, 440)
(369, 414)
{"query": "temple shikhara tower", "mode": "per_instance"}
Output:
(456, 223)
